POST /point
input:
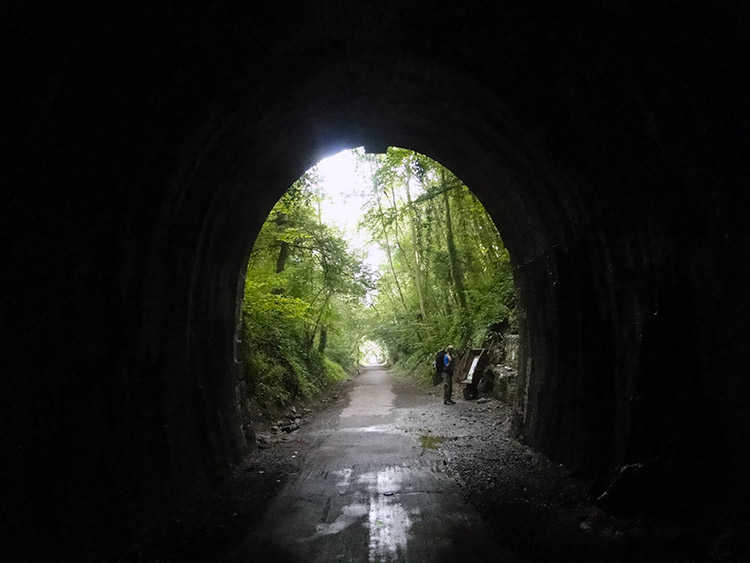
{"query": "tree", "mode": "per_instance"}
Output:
(448, 276)
(310, 301)
(302, 280)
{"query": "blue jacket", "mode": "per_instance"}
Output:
(448, 363)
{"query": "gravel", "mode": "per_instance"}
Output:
(538, 509)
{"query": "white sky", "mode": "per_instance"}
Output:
(342, 204)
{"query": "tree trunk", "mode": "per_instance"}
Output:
(455, 266)
(282, 257)
(311, 339)
(390, 256)
(323, 340)
(415, 244)
(284, 248)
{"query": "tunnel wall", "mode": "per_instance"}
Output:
(143, 148)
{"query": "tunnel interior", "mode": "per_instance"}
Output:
(145, 147)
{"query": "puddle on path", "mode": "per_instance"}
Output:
(385, 517)
(370, 400)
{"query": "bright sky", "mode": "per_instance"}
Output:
(342, 205)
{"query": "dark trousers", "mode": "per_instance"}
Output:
(447, 386)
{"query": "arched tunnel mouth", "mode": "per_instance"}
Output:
(384, 472)
(584, 442)
(147, 149)
(515, 179)
(372, 259)
(563, 253)
(370, 412)
(563, 407)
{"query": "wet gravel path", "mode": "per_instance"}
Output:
(534, 507)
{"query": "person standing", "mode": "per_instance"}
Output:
(449, 362)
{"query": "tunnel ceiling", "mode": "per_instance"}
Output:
(144, 146)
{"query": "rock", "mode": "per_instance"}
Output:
(486, 383)
(504, 387)
(637, 487)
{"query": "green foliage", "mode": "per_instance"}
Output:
(301, 286)
(310, 302)
(333, 370)
(448, 277)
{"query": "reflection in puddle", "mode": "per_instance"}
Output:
(371, 400)
(349, 515)
(390, 524)
(344, 476)
(387, 521)
(386, 481)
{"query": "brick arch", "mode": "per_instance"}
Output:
(144, 148)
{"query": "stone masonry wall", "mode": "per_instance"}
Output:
(499, 376)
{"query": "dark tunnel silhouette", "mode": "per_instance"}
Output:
(143, 147)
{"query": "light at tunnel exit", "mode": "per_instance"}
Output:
(371, 353)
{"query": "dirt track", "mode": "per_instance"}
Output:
(411, 479)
